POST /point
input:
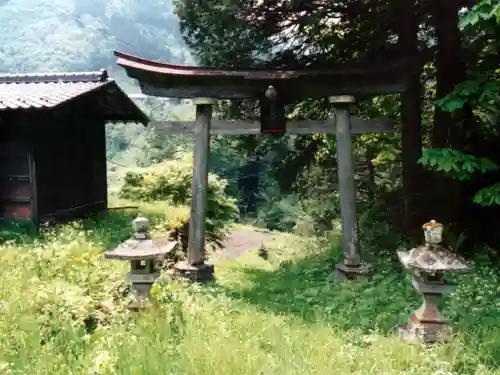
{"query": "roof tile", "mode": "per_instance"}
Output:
(48, 90)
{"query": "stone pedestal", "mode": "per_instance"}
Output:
(141, 284)
(427, 325)
(198, 273)
(344, 271)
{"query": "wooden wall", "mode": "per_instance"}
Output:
(71, 168)
(17, 198)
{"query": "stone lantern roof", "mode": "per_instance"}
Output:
(432, 258)
(141, 247)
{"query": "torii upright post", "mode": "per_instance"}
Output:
(351, 266)
(194, 267)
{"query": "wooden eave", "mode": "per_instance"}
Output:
(178, 81)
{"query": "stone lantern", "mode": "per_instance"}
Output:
(143, 254)
(428, 263)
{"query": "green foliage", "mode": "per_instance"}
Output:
(455, 164)
(226, 159)
(243, 33)
(479, 91)
(484, 10)
(123, 141)
(458, 165)
(64, 311)
(281, 214)
(298, 214)
(132, 145)
(171, 181)
(16, 231)
(217, 34)
(488, 196)
(158, 148)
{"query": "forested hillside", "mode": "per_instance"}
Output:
(78, 35)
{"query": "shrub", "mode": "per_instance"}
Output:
(281, 213)
(171, 181)
(17, 231)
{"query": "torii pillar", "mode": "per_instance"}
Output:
(351, 267)
(194, 267)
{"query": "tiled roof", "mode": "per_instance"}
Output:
(46, 90)
(31, 92)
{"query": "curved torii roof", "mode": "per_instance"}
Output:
(179, 81)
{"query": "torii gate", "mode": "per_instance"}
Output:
(273, 89)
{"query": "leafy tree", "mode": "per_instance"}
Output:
(293, 34)
(473, 159)
(297, 33)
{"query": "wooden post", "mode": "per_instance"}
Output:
(351, 265)
(194, 267)
(199, 187)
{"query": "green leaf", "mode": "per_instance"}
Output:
(491, 200)
(484, 14)
(495, 12)
(424, 159)
(446, 166)
(470, 19)
(478, 199)
(468, 166)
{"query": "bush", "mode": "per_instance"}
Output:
(280, 214)
(18, 231)
(171, 181)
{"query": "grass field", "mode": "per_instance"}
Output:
(60, 313)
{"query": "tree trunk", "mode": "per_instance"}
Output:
(450, 68)
(411, 124)
(450, 71)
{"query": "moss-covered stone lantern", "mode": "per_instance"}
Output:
(143, 254)
(428, 263)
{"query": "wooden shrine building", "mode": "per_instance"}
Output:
(274, 89)
(52, 142)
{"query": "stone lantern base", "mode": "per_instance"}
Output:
(426, 333)
(344, 271)
(197, 273)
(141, 288)
(427, 325)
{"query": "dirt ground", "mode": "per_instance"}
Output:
(242, 240)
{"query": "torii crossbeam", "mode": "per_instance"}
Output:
(274, 89)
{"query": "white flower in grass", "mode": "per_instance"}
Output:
(103, 363)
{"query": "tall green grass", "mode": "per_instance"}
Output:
(63, 311)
